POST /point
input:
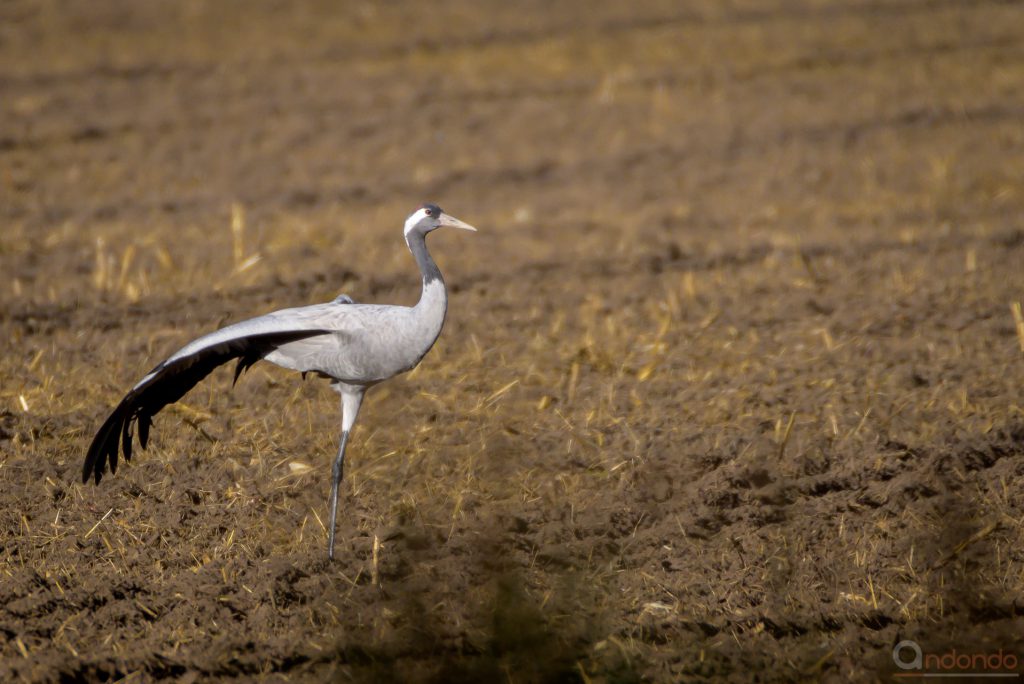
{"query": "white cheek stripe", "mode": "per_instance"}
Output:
(416, 217)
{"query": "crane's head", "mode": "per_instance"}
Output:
(430, 217)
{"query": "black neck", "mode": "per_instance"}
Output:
(418, 246)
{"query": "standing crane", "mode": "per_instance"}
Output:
(354, 345)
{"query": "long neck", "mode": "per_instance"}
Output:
(434, 295)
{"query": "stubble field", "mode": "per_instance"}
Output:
(730, 386)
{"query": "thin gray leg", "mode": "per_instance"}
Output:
(351, 400)
(336, 472)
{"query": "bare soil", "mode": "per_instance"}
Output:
(730, 387)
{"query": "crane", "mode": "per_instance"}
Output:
(353, 345)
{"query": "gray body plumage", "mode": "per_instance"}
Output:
(355, 345)
(368, 343)
(364, 343)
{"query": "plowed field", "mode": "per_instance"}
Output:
(730, 387)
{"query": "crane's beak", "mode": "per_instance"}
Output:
(453, 222)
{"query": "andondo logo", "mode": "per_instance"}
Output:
(916, 662)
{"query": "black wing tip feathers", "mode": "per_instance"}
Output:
(167, 383)
(245, 362)
(116, 433)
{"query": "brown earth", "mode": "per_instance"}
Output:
(730, 387)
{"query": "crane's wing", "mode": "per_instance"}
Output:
(248, 341)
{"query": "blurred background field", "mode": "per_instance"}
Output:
(731, 379)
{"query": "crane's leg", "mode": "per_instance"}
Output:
(351, 399)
